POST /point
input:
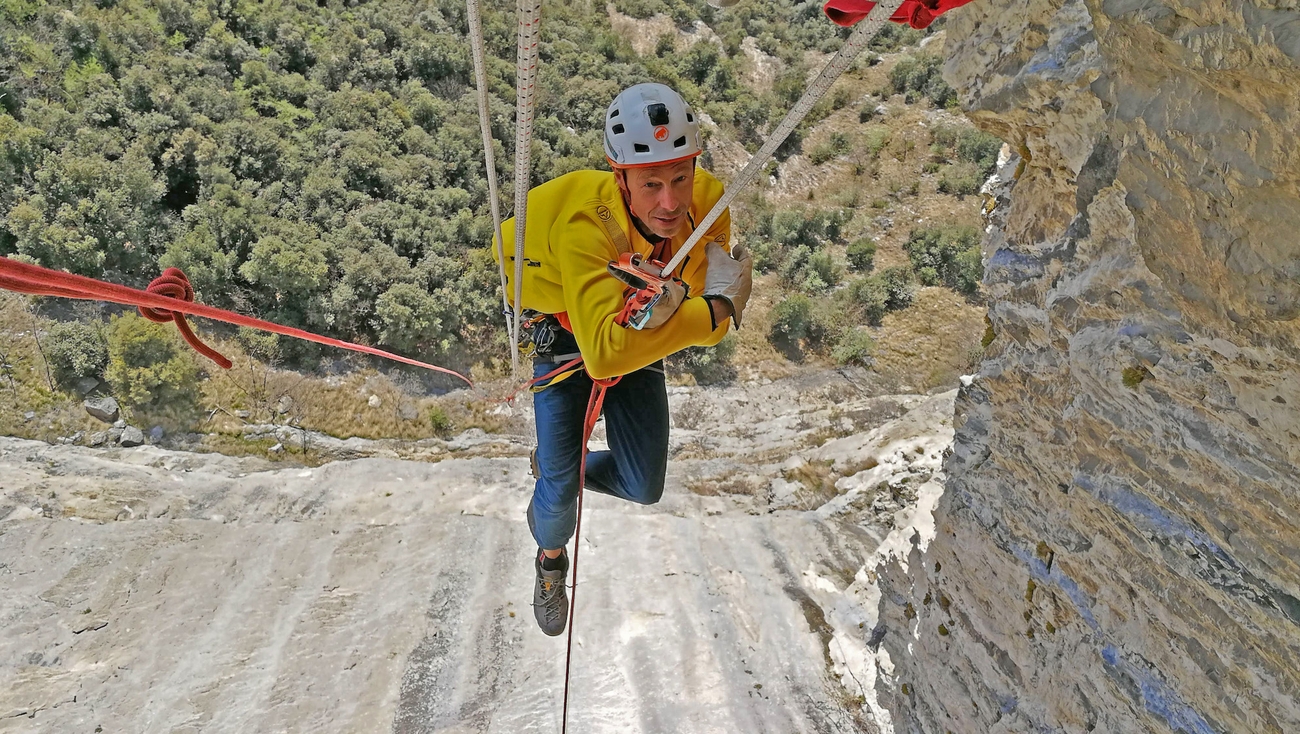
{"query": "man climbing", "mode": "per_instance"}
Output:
(576, 225)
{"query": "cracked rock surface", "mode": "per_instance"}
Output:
(1118, 544)
(147, 590)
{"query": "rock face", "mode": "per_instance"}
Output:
(105, 409)
(1117, 545)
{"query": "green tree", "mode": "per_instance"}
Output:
(75, 350)
(152, 371)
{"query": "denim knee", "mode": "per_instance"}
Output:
(648, 491)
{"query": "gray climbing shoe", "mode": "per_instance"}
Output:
(550, 598)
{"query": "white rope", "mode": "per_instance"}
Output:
(530, 18)
(490, 164)
(862, 34)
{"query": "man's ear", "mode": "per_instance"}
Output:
(620, 176)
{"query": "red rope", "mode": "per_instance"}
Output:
(594, 405)
(168, 298)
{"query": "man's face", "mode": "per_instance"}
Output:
(660, 196)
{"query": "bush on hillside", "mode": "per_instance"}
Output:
(960, 179)
(75, 350)
(900, 287)
(708, 365)
(921, 76)
(862, 255)
(152, 371)
(855, 346)
(795, 325)
(947, 256)
(868, 298)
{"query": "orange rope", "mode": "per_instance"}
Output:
(169, 298)
(595, 404)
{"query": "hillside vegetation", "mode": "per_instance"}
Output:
(320, 165)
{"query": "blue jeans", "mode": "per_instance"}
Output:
(636, 426)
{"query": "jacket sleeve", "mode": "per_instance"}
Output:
(593, 298)
(695, 269)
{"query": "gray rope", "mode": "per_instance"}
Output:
(489, 158)
(530, 18)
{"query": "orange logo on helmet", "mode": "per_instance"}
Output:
(661, 133)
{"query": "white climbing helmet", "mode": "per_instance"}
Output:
(650, 125)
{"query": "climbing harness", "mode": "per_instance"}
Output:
(166, 299)
(855, 44)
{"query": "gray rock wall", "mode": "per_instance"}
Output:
(1118, 546)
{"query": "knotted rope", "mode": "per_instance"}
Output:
(173, 284)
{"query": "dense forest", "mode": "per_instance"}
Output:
(320, 163)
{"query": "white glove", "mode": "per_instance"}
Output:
(729, 276)
(667, 305)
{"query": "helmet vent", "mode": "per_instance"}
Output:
(618, 129)
(613, 114)
(679, 142)
(658, 113)
(689, 117)
(640, 148)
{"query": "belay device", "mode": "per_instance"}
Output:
(645, 288)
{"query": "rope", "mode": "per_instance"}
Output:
(855, 44)
(167, 298)
(490, 165)
(530, 19)
(173, 284)
(595, 404)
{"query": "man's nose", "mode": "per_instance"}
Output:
(668, 199)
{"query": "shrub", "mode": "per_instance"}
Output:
(150, 368)
(792, 320)
(960, 179)
(766, 254)
(439, 422)
(866, 298)
(876, 140)
(822, 265)
(862, 254)
(946, 256)
(810, 271)
(969, 144)
(980, 148)
(821, 154)
(919, 76)
(900, 288)
(708, 365)
(76, 349)
(854, 347)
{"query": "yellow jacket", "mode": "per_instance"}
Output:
(566, 250)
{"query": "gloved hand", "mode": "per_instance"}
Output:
(667, 305)
(729, 276)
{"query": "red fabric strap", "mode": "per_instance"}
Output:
(916, 13)
(166, 299)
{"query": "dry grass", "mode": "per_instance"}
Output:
(932, 343)
(252, 392)
(889, 193)
(25, 383)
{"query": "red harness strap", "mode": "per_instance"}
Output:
(166, 299)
